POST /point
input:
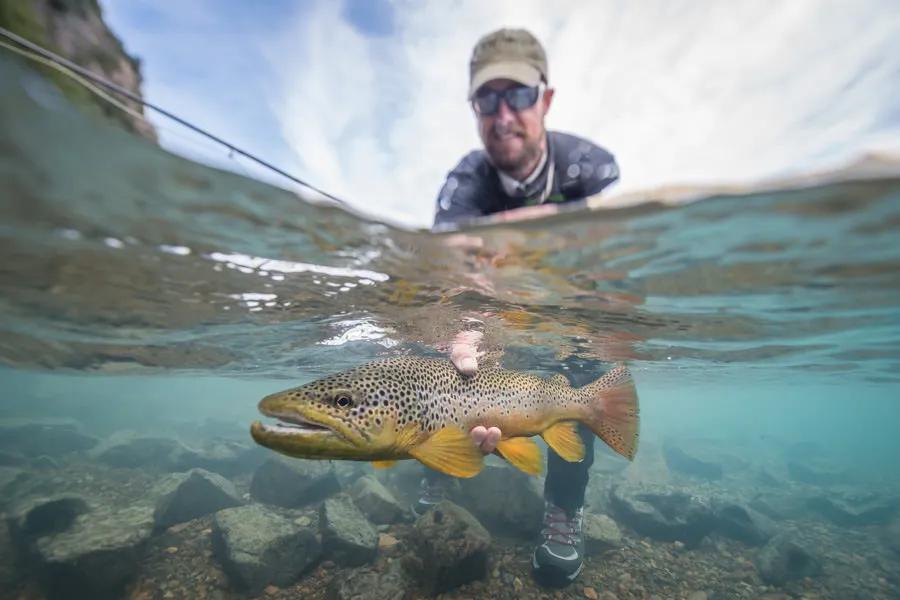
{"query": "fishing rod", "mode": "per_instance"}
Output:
(64, 63)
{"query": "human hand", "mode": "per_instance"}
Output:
(485, 438)
(525, 213)
(464, 351)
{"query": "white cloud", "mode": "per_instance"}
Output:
(695, 92)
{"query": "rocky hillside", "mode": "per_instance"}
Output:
(75, 29)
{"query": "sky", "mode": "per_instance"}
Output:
(367, 98)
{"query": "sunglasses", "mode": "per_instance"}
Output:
(487, 102)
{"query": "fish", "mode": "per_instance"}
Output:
(422, 408)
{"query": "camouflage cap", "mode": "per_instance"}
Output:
(507, 54)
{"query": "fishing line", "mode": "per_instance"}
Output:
(80, 75)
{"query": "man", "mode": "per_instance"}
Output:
(523, 165)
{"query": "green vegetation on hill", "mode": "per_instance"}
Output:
(30, 19)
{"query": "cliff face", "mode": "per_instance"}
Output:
(75, 29)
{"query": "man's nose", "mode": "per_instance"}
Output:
(504, 113)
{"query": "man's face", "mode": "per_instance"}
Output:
(514, 139)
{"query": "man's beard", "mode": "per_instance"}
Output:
(529, 155)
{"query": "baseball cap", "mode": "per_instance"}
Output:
(507, 54)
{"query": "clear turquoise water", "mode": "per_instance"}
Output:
(143, 292)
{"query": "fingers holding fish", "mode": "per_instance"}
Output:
(486, 438)
(464, 351)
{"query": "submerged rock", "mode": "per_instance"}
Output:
(600, 534)
(663, 514)
(98, 554)
(44, 463)
(855, 511)
(347, 537)
(35, 517)
(504, 499)
(10, 570)
(378, 504)
(12, 459)
(186, 496)
(648, 467)
(349, 471)
(770, 476)
(891, 535)
(816, 473)
(51, 437)
(369, 584)
(744, 524)
(780, 505)
(132, 450)
(692, 462)
(258, 546)
(782, 560)
(8, 477)
(451, 548)
(228, 457)
(291, 483)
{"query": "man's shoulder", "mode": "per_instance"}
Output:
(473, 163)
(583, 167)
(466, 192)
(572, 148)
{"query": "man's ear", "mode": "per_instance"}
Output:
(547, 99)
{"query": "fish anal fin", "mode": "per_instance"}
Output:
(522, 453)
(564, 439)
(613, 412)
(450, 451)
(560, 379)
(383, 464)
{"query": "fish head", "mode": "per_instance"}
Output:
(352, 415)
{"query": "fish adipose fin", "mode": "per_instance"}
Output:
(522, 453)
(450, 451)
(564, 439)
(613, 412)
(383, 464)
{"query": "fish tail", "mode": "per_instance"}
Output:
(612, 411)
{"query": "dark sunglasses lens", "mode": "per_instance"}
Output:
(517, 98)
(520, 98)
(488, 103)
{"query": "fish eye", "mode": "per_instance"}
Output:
(342, 400)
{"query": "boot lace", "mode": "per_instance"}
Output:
(558, 527)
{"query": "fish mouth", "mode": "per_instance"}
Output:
(289, 425)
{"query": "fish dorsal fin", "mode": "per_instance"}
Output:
(522, 453)
(560, 379)
(450, 451)
(383, 464)
(564, 439)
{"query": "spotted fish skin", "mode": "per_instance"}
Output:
(387, 409)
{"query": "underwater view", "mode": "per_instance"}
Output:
(149, 303)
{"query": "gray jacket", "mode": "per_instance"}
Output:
(575, 169)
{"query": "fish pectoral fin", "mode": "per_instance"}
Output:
(564, 439)
(522, 453)
(450, 451)
(383, 464)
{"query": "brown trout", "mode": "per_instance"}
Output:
(423, 408)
